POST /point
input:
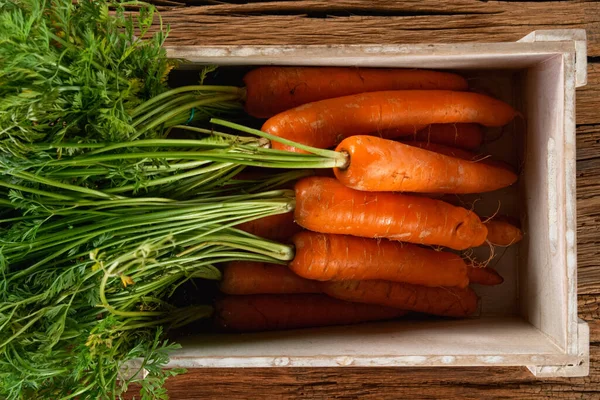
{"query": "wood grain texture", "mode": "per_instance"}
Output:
(376, 22)
(413, 21)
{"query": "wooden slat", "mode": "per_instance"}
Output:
(385, 21)
(382, 383)
(588, 208)
(587, 97)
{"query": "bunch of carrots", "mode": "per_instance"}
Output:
(372, 240)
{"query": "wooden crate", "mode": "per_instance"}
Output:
(531, 319)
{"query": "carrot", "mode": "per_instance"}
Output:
(271, 90)
(326, 257)
(449, 302)
(463, 136)
(484, 276)
(384, 165)
(278, 227)
(459, 153)
(246, 277)
(325, 205)
(325, 123)
(278, 312)
(445, 150)
(399, 131)
(501, 233)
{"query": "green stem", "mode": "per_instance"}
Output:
(167, 179)
(240, 92)
(162, 107)
(342, 158)
(170, 143)
(35, 191)
(255, 156)
(181, 109)
(51, 182)
(199, 312)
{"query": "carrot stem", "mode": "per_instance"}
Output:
(240, 92)
(181, 109)
(341, 158)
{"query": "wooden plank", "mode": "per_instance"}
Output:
(382, 383)
(587, 97)
(588, 208)
(385, 21)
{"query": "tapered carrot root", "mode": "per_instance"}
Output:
(384, 165)
(501, 233)
(449, 302)
(460, 153)
(327, 257)
(278, 227)
(271, 90)
(325, 205)
(484, 276)
(408, 131)
(245, 277)
(278, 312)
(325, 123)
(462, 136)
(443, 149)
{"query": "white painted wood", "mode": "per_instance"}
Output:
(579, 39)
(530, 320)
(464, 56)
(478, 341)
(543, 270)
(579, 368)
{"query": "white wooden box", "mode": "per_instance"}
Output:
(531, 319)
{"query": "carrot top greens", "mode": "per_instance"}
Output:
(76, 73)
(102, 214)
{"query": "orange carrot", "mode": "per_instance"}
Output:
(265, 312)
(271, 90)
(387, 166)
(460, 153)
(325, 205)
(246, 277)
(326, 257)
(450, 302)
(501, 233)
(484, 276)
(463, 136)
(445, 150)
(278, 227)
(325, 123)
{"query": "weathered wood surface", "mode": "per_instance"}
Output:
(385, 22)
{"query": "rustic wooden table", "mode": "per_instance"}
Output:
(198, 22)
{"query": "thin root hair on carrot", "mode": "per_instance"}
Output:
(480, 159)
(497, 261)
(469, 255)
(494, 214)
